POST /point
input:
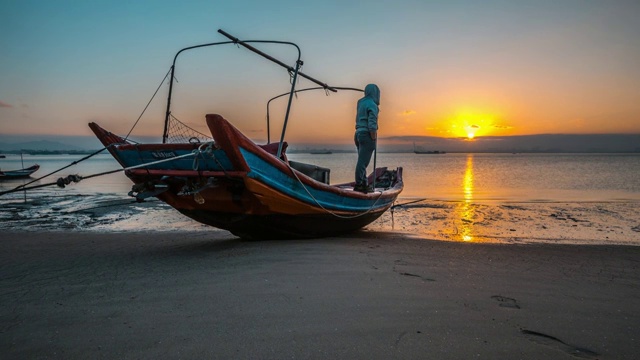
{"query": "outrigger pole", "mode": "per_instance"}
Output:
(295, 71)
(289, 68)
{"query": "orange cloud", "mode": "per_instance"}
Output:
(407, 113)
(5, 105)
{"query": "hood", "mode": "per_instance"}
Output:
(372, 91)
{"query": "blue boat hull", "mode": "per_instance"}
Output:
(242, 187)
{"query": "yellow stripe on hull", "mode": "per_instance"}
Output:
(278, 202)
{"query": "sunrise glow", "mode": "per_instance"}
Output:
(470, 123)
(496, 75)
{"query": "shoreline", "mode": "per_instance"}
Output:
(589, 223)
(370, 294)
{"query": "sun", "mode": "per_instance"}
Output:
(471, 131)
(469, 125)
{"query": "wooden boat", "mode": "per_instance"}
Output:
(16, 174)
(248, 189)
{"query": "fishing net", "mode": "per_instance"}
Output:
(179, 132)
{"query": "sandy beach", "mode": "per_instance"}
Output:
(369, 295)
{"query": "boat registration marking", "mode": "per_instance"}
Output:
(163, 154)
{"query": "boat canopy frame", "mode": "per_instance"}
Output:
(294, 72)
(295, 93)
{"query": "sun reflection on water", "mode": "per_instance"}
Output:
(466, 209)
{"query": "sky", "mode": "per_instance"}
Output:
(445, 68)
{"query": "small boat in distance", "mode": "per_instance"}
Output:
(320, 152)
(418, 151)
(227, 181)
(21, 173)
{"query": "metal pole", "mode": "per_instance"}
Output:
(375, 154)
(289, 68)
(25, 191)
(165, 133)
(286, 117)
(296, 92)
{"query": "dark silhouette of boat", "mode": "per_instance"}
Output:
(418, 151)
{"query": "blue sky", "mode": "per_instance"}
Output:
(502, 67)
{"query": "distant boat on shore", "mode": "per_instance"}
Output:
(320, 152)
(16, 174)
(2, 156)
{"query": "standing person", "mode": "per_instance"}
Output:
(366, 133)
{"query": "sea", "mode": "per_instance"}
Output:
(478, 178)
(483, 177)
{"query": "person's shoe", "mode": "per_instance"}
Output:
(361, 188)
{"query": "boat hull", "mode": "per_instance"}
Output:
(280, 226)
(18, 174)
(244, 188)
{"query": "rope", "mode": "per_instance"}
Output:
(407, 203)
(51, 173)
(24, 186)
(327, 210)
(208, 150)
(145, 108)
(62, 182)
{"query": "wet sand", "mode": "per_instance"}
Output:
(588, 223)
(603, 223)
(372, 294)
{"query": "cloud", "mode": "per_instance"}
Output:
(504, 127)
(474, 126)
(5, 105)
(407, 113)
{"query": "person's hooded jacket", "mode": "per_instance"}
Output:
(367, 109)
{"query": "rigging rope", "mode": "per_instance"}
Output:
(67, 180)
(407, 203)
(61, 182)
(145, 108)
(327, 210)
(53, 172)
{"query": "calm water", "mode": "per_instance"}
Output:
(449, 177)
(504, 177)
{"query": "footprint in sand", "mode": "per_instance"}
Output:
(506, 302)
(554, 342)
(417, 276)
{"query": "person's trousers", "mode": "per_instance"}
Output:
(365, 145)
